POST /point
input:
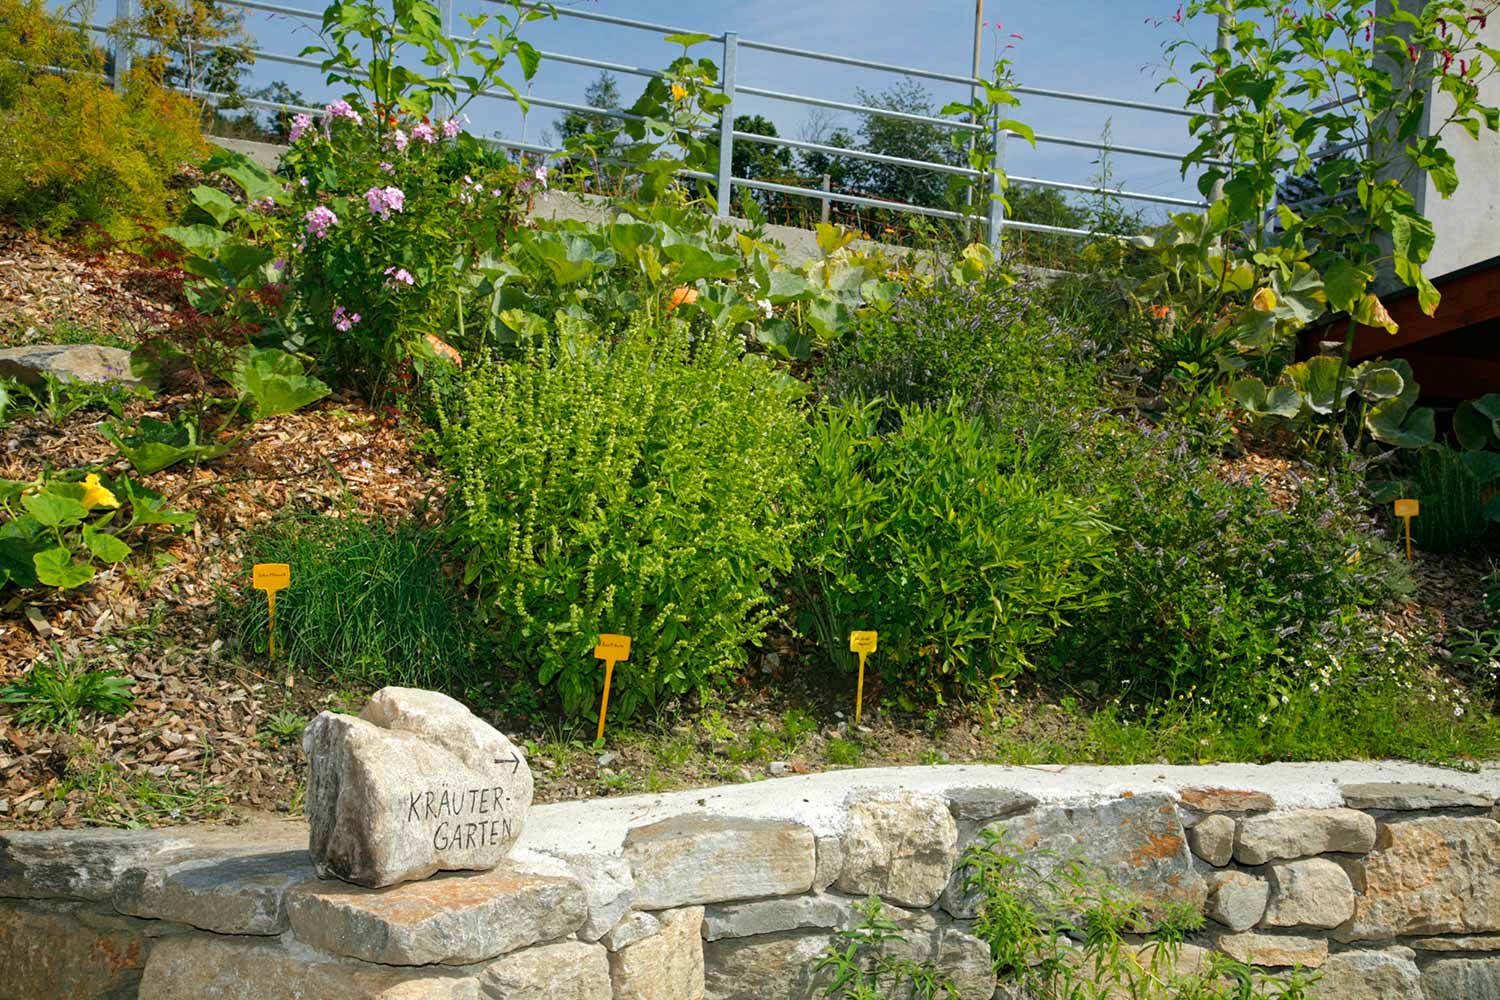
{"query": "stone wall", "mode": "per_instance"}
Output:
(1386, 878)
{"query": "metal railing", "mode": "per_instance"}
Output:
(988, 183)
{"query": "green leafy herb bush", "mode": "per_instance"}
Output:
(74, 152)
(648, 486)
(1216, 589)
(55, 695)
(370, 602)
(937, 535)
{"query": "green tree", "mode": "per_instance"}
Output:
(603, 93)
(760, 161)
(909, 139)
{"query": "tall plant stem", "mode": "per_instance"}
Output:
(1336, 438)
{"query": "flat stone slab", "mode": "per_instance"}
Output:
(1406, 795)
(982, 805)
(769, 916)
(1370, 975)
(1225, 800)
(449, 920)
(767, 967)
(689, 860)
(81, 864)
(201, 966)
(1274, 949)
(224, 893)
(1462, 978)
(68, 362)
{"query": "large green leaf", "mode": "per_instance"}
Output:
(148, 506)
(56, 568)
(784, 340)
(1315, 379)
(54, 511)
(695, 263)
(1278, 401)
(1396, 422)
(199, 239)
(275, 381)
(158, 445)
(1377, 381)
(216, 203)
(1476, 423)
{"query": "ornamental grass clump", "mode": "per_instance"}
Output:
(648, 487)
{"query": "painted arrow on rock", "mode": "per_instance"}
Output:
(515, 762)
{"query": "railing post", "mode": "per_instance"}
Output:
(123, 42)
(827, 186)
(725, 192)
(996, 228)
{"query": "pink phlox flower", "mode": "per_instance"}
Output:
(388, 168)
(541, 174)
(398, 139)
(265, 206)
(344, 321)
(341, 109)
(394, 275)
(424, 132)
(451, 128)
(384, 201)
(301, 124)
(319, 220)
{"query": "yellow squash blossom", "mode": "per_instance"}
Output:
(95, 495)
(682, 296)
(679, 92)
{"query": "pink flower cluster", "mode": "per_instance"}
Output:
(343, 321)
(384, 201)
(424, 132)
(341, 109)
(398, 275)
(451, 128)
(320, 220)
(301, 125)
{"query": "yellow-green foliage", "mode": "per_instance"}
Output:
(72, 150)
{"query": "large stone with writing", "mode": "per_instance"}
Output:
(415, 785)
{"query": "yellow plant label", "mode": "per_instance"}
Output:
(862, 642)
(613, 647)
(271, 577)
(1408, 508)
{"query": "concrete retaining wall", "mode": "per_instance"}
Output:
(1386, 878)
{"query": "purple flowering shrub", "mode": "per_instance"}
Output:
(385, 219)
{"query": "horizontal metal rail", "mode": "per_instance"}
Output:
(858, 154)
(625, 22)
(272, 8)
(854, 199)
(1109, 147)
(860, 109)
(1160, 199)
(613, 67)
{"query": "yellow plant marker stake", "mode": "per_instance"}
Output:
(864, 644)
(612, 649)
(271, 577)
(1406, 510)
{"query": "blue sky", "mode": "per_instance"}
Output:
(1106, 48)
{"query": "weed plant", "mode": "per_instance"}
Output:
(57, 695)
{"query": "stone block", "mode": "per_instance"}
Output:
(1369, 975)
(210, 967)
(46, 952)
(568, 970)
(1314, 892)
(1302, 833)
(666, 966)
(240, 893)
(76, 864)
(1462, 942)
(830, 852)
(1433, 875)
(636, 925)
(1136, 844)
(1225, 800)
(1396, 796)
(450, 920)
(1237, 899)
(688, 860)
(1212, 839)
(1462, 979)
(607, 886)
(414, 786)
(1274, 949)
(982, 805)
(901, 846)
(766, 967)
(769, 916)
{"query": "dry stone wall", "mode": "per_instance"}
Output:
(1385, 878)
